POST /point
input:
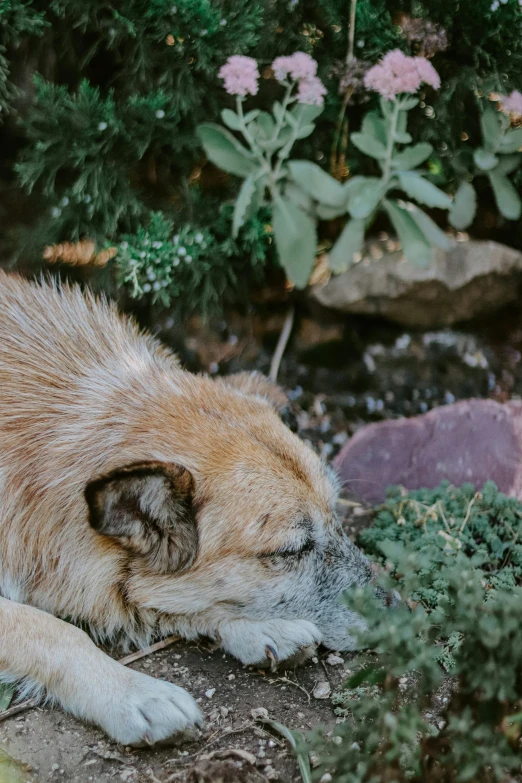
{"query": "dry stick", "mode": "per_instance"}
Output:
(31, 703)
(12, 711)
(281, 344)
(149, 650)
(351, 32)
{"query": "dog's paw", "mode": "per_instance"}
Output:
(270, 640)
(139, 709)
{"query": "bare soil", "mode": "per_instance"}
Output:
(57, 747)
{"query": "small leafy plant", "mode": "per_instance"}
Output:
(485, 525)
(408, 722)
(187, 264)
(498, 157)
(262, 163)
(299, 191)
(384, 137)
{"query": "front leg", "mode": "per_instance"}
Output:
(129, 706)
(256, 641)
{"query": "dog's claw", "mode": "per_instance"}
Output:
(272, 656)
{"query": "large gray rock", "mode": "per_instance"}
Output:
(470, 279)
(470, 441)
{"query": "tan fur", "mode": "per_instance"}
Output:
(83, 394)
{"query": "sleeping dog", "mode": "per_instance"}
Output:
(138, 500)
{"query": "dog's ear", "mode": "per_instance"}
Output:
(258, 385)
(148, 508)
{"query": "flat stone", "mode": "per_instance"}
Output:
(470, 279)
(471, 441)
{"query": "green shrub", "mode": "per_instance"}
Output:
(436, 696)
(179, 266)
(406, 720)
(486, 526)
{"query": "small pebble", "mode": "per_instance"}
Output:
(322, 690)
(259, 712)
(210, 693)
(334, 660)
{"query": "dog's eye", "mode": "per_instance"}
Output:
(290, 552)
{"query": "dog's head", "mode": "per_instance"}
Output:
(233, 517)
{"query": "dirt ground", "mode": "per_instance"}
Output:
(57, 747)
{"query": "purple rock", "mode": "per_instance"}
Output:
(472, 441)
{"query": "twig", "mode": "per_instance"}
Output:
(18, 708)
(345, 502)
(213, 739)
(468, 512)
(31, 703)
(286, 680)
(281, 344)
(351, 32)
(136, 656)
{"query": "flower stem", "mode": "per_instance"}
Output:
(289, 144)
(246, 133)
(390, 147)
(351, 32)
(286, 100)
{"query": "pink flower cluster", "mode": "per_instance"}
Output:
(302, 68)
(398, 73)
(298, 65)
(311, 92)
(512, 104)
(240, 75)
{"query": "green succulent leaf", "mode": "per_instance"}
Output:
(403, 138)
(512, 141)
(416, 246)
(296, 240)
(422, 190)
(297, 743)
(462, 211)
(366, 198)
(386, 107)
(317, 183)
(508, 163)
(326, 212)
(402, 122)
(305, 131)
(299, 197)
(506, 196)
(242, 204)
(224, 150)
(369, 145)
(278, 111)
(265, 122)
(491, 129)
(353, 185)
(429, 228)
(231, 119)
(6, 695)
(412, 157)
(484, 159)
(409, 103)
(349, 242)
(306, 114)
(251, 116)
(374, 125)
